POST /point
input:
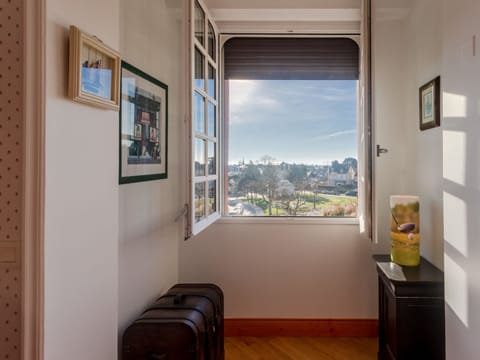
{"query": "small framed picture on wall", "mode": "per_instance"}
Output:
(94, 71)
(429, 101)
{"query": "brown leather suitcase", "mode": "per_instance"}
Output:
(215, 294)
(166, 334)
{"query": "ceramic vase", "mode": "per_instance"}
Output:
(405, 229)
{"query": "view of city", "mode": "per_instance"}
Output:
(308, 129)
(270, 188)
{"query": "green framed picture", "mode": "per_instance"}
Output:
(143, 126)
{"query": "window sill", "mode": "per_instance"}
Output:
(287, 220)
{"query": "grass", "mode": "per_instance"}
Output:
(331, 205)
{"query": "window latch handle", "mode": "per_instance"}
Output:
(381, 150)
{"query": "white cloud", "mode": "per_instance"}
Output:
(337, 134)
(241, 92)
(247, 98)
(267, 101)
(324, 93)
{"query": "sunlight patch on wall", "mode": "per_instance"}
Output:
(455, 222)
(454, 105)
(456, 289)
(454, 156)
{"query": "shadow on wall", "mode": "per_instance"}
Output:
(461, 197)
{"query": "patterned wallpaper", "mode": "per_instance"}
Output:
(11, 72)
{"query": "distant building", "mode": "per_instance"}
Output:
(236, 169)
(348, 178)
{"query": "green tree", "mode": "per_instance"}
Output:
(347, 162)
(250, 181)
(297, 175)
(266, 160)
(336, 166)
(270, 181)
(292, 203)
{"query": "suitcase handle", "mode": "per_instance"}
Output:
(158, 357)
(179, 298)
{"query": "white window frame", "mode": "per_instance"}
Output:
(194, 227)
(287, 220)
(365, 142)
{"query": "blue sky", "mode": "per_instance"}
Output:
(310, 122)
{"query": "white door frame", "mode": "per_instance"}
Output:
(34, 175)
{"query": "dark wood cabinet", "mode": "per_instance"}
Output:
(411, 311)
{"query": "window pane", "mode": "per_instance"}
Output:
(199, 201)
(198, 112)
(211, 41)
(199, 157)
(292, 148)
(212, 158)
(212, 196)
(212, 124)
(212, 79)
(199, 23)
(199, 70)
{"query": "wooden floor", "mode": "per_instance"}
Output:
(300, 348)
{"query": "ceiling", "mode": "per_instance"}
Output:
(283, 4)
(301, 16)
(302, 4)
(286, 16)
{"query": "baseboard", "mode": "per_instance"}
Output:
(302, 327)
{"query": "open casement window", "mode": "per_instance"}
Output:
(205, 137)
(204, 172)
(365, 132)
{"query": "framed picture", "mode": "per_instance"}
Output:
(429, 98)
(143, 126)
(94, 70)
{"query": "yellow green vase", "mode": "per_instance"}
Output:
(405, 229)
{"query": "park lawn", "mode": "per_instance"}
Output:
(325, 199)
(321, 201)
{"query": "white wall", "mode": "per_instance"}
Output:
(461, 176)
(407, 54)
(152, 38)
(81, 197)
(281, 271)
(424, 30)
(109, 249)
(440, 42)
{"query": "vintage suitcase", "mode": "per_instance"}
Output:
(215, 295)
(194, 303)
(166, 334)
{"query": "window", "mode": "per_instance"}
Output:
(292, 126)
(204, 132)
(257, 70)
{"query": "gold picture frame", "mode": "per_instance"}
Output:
(94, 71)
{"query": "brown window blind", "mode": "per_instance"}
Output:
(291, 59)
